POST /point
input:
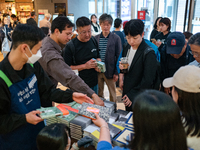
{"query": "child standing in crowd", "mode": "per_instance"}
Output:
(157, 125)
(186, 93)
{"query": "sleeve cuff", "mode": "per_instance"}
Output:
(104, 145)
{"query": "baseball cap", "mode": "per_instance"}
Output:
(186, 78)
(175, 43)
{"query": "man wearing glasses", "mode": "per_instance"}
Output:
(194, 43)
(174, 55)
(54, 64)
(81, 52)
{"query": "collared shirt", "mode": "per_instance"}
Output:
(103, 41)
(47, 92)
(195, 63)
(58, 71)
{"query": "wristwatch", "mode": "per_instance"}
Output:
(75, 147)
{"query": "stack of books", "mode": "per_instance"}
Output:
(88, 110)
(129, 122)
(66, 119)
(111, 105)
(113, 117)
(77, 125)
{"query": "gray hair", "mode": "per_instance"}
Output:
(105, 17)
(195, 39)
(48, 15)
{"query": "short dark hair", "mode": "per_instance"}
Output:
(167, 22)
(26, 34)
(187, 35)
(117, 22)
(32, 13)
(106, 17)
(82, 21)
(195, 39)
(155, 24)
(60, 23)
(45, 30)
(53, 137)
(189, 105)
(157, 122)
(13, 16)
(134, 27)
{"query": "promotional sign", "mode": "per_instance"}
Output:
(141, 15)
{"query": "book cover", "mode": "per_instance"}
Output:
(88, 110)
(114, 131)
(49, 112)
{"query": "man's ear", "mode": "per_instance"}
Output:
(23, 48)
(56, 31)
(142, 34)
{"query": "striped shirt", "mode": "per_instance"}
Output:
(103, 46)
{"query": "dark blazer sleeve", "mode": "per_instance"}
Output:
(118, 48)
(150, 67)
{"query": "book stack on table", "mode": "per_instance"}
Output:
(77, 125)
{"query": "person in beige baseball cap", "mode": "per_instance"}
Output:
(186, 93)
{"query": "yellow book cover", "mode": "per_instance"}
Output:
(119, 127)
(96, 134)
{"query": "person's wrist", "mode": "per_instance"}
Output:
(75, 146)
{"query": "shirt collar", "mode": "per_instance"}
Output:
(57, 47)
(101, 35)
(12, 74)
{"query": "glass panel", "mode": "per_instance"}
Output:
(180, 15)
(91, 4)
(99, 8)
(125, 10)
(196, 17)
(148, 6)
(166, 9)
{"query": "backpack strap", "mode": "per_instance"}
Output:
(5, 78)
(72, 48)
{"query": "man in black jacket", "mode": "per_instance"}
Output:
(142, 63)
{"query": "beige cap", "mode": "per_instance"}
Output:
(186, 78)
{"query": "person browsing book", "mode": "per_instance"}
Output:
(23, 86)
(162, 131)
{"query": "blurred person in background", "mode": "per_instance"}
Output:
(165, 27)
(156, 29)
(15, 21)
(95, 28)
(45, 22)
(118, 26)
(187, 36)
(31, 20)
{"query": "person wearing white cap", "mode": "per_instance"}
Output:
(186, 93)
(194, 43)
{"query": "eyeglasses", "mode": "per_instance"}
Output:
(70, 34)
(85, 32)
(196, 54)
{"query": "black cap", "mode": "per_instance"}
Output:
(175, 43)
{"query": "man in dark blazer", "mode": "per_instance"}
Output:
(142, 63)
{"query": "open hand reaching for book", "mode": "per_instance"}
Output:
(80, 98)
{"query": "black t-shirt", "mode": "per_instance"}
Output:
(84, 51)
(160, 36)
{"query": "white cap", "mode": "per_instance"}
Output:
(186, 78)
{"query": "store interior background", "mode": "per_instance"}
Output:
(184, 14)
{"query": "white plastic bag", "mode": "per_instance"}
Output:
(6, 44)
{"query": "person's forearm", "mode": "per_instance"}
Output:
(121, 77)
(78, 67)
(104, 133)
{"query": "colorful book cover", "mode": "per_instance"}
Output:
(88, 110)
